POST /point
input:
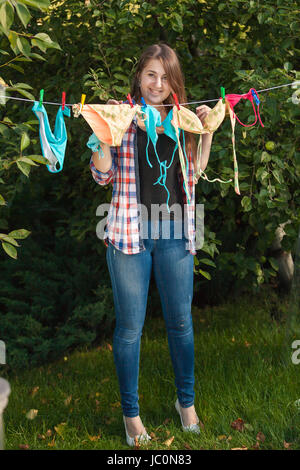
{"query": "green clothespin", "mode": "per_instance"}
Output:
(41, 98)
(223, 94)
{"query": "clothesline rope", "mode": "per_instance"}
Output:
(183, 104)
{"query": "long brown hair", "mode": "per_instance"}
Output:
(171, 65)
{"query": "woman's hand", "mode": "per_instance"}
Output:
(114, 102)
(202, 112)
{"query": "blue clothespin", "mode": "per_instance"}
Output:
(143, 102)
(256, 99)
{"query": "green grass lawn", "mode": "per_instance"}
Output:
(243, 369)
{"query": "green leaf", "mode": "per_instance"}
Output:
(205, 274)
(246, 204)
(286, 43)
(22, 59)
(16, 67)
(10, 250)
(138, 20)
(277, 160)
(2, 201)
(20, 234)
(23, 13)
(271, 204)
(122, 21)
(7, 14)
(9, 239)
(123, 78)
(121, 89)
(277, 175)
(27, 160)
(6, 119)
(274, 263)
(25, 141)
(44, 42)
(294, 26)
(287, 66)
(177, 23)
(23, 46)
(265, 157)
(24, 167)
(43, 37)
(261, 174)
(40, 44)
(12, 37)
(37, 4)
(24, 93)
(38, 158)
(34, 55)
(23, 85)
(209, 262)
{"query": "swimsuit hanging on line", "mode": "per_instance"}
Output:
(176, 121)
(231, 100)
(53, 145)
(252, 95)
(151, 121)
(185, 119)
(188, 121)
(110, 122)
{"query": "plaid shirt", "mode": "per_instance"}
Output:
(122, 227)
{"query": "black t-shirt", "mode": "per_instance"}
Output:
(157, 194)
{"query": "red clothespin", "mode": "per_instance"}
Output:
(176, 100)
(129, 99)
(63, 100)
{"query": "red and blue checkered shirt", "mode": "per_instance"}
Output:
(122, 227)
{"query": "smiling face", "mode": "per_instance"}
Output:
(154, 84)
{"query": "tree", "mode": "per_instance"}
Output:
(14, 137)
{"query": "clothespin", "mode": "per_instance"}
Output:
(63, 100)
(82, 102)
(143, 102)
(256, 99)
(41, 98)
(223, 94)
(129, 99)
(176, 100)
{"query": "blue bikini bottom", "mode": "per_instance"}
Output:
(53, 145)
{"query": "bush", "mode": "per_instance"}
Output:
(52, 303)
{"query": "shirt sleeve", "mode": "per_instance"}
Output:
(108, 177)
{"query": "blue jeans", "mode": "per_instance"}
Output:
(173, 268)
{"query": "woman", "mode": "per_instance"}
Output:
(134, 248)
